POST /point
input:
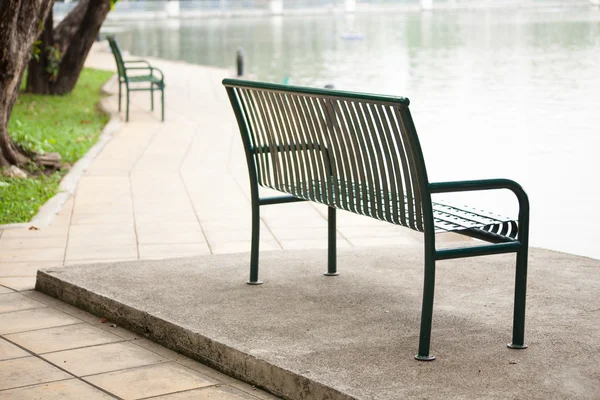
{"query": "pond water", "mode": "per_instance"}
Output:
(498, 93)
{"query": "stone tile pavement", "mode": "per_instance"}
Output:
(157, 190)
(50, 350)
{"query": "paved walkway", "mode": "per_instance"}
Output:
(157, 190)
(49, 350)
(174, 189)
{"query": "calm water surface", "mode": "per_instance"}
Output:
(512, 94)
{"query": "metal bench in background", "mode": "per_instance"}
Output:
(360, 153)
(147, 81)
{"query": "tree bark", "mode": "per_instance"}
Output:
(38, 79)
(73, 38)
(20, 22)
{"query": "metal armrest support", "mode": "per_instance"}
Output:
(148, 68)
(488, 184)
(162, 76)
(520, 247)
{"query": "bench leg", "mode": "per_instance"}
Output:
(162, 102)
(151, 97)
(255, 244)
(518, 336)
(127, 107)
(331, 246)
(427, 308)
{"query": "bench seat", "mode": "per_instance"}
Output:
(147, 78)
(447, 217)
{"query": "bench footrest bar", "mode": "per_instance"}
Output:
(500, 248)
(266, 201)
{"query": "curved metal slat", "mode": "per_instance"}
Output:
(415, 219)
(418, 172)
(401, 173)
(293, 140)
(377, 160)
(307, 152)
(301, 150)
(316, 150)
(260, 139)
(396, 181)
(272, 157)
(373, 183)
(280, 141)
(287, 140)
(343, 178)
(367, 174)
(334, 154)
(322, 123)
(248, 108)
(354, 159)
(264, 138)
(386, 162)
(347, 157)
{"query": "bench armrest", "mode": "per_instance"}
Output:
(150, 68)
(136, 62)
(491, 184)
(483, 184)
(162, 76)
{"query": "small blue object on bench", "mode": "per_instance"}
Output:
(151, 79)
(361, 153)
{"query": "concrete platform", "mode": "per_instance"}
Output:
(305, 336)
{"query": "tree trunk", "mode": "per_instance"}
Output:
(65, 48)
(38, 77)
(19, 28)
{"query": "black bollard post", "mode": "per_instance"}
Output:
(239, 60)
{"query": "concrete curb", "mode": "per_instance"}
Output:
(235, 363)
(68, 185)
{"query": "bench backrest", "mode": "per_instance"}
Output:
(352, 151)
(116, 50)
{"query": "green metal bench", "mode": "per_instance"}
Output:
(360, 153)
(147, 81)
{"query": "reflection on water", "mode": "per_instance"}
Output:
(510, 94)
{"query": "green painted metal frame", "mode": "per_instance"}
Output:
(122, 69)
(431, 254)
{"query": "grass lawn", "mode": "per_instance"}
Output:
(68, 125)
